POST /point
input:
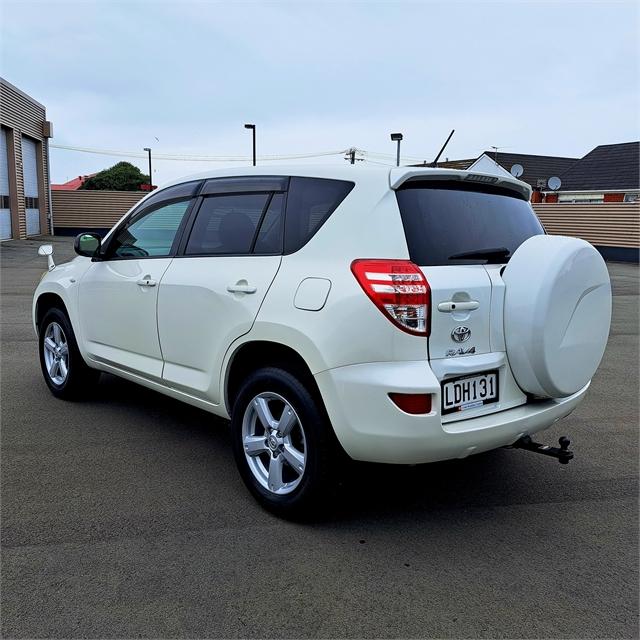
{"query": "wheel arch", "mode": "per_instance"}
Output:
(45, 301)
(255, 354)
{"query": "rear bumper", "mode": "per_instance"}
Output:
(371, 428)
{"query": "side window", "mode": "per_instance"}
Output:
(237, 224)
(150, 233)
(269, 239)
(309, 203)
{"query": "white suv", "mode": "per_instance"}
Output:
(399, 315)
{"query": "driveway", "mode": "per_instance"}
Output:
(123, 516)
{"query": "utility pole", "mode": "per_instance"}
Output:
(150, 174)
(253, 131)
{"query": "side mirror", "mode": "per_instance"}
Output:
(47, 250)
(87, 244)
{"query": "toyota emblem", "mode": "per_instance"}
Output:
(461, 334)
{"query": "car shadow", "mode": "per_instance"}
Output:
(368, 491)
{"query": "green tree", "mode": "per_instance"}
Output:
(121, 177)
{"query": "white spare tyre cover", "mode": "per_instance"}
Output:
(557, 314)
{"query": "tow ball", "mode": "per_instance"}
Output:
(562, 452)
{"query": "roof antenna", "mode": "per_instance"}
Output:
(435, 162)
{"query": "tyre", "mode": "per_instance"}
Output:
(64, 370)
(283, 444)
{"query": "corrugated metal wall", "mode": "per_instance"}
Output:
(91, 209)
(605, 225)
(23, 115)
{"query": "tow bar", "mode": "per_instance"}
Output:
(562, 453)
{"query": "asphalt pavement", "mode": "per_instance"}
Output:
(124, 516)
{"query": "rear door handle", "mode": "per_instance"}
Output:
(241, 288)
(146, 282)
(452, 305)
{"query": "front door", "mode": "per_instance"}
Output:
(118, 295)
(211, 294)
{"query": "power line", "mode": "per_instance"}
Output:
(196, 157)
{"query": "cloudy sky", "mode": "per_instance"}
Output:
(182, 77)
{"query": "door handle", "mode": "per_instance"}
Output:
(146, 282)
(241, 288)
(453, 305)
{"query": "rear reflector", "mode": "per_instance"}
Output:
(399, 289)
(413, 403)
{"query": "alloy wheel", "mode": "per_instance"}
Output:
(56, 353)
(274, 443)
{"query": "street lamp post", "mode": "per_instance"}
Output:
(397, 137)
(253, 131)
(150, 174)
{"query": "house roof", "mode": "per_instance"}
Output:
(71, 185)
(609, 166)
(535, 167)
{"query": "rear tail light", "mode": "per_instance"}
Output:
(399, 289)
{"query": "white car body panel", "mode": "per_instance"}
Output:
(209, 314)
(118, 315)
(180, 337)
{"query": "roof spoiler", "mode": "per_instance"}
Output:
(397, 177)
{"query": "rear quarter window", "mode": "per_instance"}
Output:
(442, 220)
(310, 202)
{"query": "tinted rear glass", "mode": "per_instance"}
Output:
(309, 203)
(441, 221)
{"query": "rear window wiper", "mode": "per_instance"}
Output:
(498, 254)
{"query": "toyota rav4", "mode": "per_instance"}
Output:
(401, 315)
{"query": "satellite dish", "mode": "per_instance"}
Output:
(516, 170)
(554, 183)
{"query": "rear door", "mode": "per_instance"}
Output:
(460, 234)
(212, 291)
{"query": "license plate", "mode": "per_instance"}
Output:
(469, 392)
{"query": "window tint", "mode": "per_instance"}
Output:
(269, 238)
(309, 203)
(448, 220)
(151, 233)
(227, 224)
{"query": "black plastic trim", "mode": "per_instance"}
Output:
(244, 184)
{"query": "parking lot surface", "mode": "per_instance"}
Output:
(123, 516)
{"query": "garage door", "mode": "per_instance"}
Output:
(5, 212)
(30, 172)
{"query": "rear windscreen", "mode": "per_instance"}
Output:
(443, 220)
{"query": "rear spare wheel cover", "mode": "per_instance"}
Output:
(557, 314)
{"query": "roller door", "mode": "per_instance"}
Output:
(5, 212)
(30, 172)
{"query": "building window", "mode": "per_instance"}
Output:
(632, 197)
(4, 202)
(31, 203)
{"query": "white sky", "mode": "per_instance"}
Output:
(533, 77)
